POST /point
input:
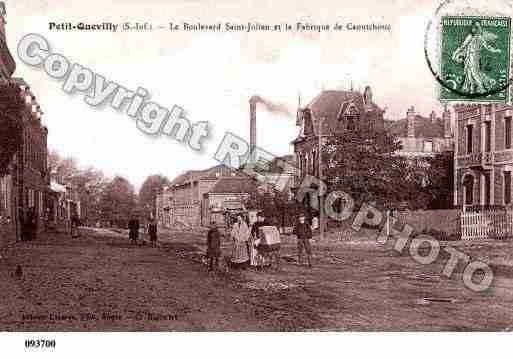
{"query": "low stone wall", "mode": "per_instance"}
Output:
(445, 220)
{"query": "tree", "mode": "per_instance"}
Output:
(148, 193)
(363, 163)
(89, 184)
(440, 181)
(277, 206)
(11, 123)
(118, 202)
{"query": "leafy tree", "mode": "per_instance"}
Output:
(118, 202)
(363, 163)
(11, 114)
(277, 206)
(148, 193)
(89, 183)
(439, 181)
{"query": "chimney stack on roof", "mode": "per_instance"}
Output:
(410, 121)
(446, 119)
(432, 117)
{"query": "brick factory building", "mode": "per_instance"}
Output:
(189, 199)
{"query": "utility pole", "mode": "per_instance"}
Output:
(192, 189)
(319, 174)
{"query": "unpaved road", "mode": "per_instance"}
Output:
(100, 282)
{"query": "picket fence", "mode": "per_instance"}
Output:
(493, 224)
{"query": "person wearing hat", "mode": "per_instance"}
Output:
(303, 231)
(213, 246)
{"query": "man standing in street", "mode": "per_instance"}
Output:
(133, 230)
(213, 246)
(303, 231)
(152, 232)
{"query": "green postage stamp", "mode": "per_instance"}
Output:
(475, 58)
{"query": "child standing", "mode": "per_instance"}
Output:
(213, 246)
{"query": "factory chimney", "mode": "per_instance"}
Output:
(252, 121)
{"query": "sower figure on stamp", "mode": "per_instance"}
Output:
(303, 231)
(213, 246)
(469, 53)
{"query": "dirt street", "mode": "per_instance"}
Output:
(101, 282)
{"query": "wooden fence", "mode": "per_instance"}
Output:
(490, 224)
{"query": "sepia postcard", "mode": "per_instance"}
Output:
(254, 166)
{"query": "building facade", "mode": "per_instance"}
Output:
(27, 183)
(61, 204)
(182, 202)
(483, 155)
(331, 113)
(422, 137)
(7, 64)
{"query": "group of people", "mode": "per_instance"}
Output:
(134, 227)
(248, 248)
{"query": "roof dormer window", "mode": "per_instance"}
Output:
(350, 117)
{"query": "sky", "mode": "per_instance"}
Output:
(213, 75)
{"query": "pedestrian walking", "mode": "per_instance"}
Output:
(256, 258)
(240, 235)
(22, 217)
(31, 224)
(133, 230)
(303, 231)
(152, 232)
(213, 246)
(75, 222)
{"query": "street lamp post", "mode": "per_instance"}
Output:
(319, 165)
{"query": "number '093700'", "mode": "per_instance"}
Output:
(39, 343)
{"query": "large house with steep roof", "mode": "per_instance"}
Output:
(331, 113)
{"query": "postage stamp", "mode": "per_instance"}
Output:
(475, 58)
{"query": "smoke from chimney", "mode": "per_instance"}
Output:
(271, 107)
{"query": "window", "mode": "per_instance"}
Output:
(488, 136)
(350, 123)
(507, 132)
(428, 146)
(468, 189)
(486, 189)
(470, 129)
(350, 118)
(314, 162)
(507, 187)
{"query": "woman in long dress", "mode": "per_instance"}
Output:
(469, 53)
(240, 236)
